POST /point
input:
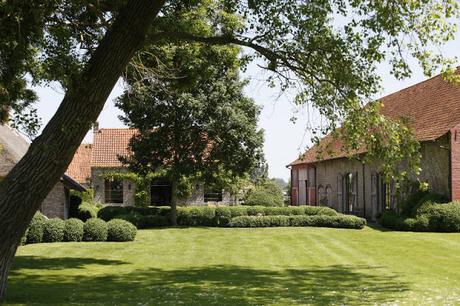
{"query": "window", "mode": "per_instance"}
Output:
(328, 195)
(322, 196)
(160, 192)
(350, 192)
(212, 194)
(113, 191)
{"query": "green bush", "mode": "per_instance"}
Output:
(95, 230)
(120, 230)
(337, 221)
(411, 206)
(319, 210)
(73, 230)
(108, 213)
(35, 232)
(133, 217)
(196, 216)
(429, 217)
(146, 217)
(262, 197)
(53, 230)
(24, 237)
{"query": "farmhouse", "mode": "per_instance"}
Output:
(59, 201)
(350, 186)
(92, 161)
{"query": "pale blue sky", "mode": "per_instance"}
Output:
(284, 140)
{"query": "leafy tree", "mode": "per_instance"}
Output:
(194, 124)
(88, 207)
(269, 193)
(85, 45)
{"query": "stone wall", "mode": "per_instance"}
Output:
(55, 204)
(197, 197)
(98, 185)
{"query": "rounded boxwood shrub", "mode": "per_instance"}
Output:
(73, 230)
(121, 230)
(95, 230)
(53, 230)
(35, 232)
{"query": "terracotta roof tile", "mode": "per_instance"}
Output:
(432, 106)
(80, 167)
(109, 145)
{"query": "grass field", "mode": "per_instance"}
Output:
(219, 266)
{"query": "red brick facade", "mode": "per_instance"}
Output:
(455, 162)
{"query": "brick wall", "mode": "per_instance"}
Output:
(455, 162)
(435, 171)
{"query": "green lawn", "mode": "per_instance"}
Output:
(219, 266)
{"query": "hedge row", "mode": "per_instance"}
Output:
(429, 217)
(336, 221)
(57, 230)
(203, 215)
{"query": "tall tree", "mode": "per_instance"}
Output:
(86, 44)
(195, 123)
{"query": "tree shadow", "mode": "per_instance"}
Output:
(210, 285)
(40, 263)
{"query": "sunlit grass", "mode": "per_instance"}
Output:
(199, 266)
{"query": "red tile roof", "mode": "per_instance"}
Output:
(80, 167)
(433, 107)
(109, 145)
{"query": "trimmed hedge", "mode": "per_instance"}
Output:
(203, 215)
(108, 213)
(95, 230)
(53, 230)
(121, 230)
(35, 231)
(337, 221)
(24, 237)
(73, 230)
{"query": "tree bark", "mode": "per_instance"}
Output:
(173, 215)
(28, 183)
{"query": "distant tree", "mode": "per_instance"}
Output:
(281, 182)
(195, 123)
(260, 173)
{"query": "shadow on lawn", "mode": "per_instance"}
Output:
(216, 285)
(41, 263)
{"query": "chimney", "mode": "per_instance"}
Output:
(95, 127)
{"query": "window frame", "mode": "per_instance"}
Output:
(109, 191)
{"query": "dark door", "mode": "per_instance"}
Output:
(160, 192)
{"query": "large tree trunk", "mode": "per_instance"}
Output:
(26, 186)
(173, 215)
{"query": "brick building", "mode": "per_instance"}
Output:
(12, 147)
(350, 186)
(91, 161)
